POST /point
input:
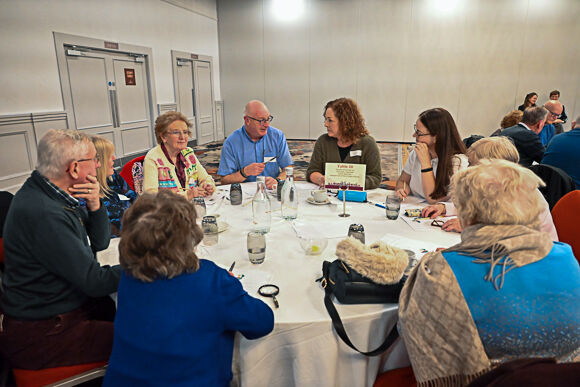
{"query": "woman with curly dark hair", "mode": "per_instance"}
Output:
(347, 141)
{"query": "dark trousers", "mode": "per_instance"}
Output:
(84, 335)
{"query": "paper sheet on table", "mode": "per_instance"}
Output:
(335, 229)
(110, 256)
(419, 247)
(253, 279)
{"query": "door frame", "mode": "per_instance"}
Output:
(62, 39)
(175, 54)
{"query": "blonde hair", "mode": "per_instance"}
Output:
(500, 147)
(497, 192)
(105, 149)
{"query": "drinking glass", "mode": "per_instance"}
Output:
(256, 247)
(209, 227)
(199, 204)
(392, 206)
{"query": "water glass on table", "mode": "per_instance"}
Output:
(199, 204)
(392, 206)
(256, 242)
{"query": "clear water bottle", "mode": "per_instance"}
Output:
(289, 196)
(261, 208)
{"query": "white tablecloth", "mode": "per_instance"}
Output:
(303, 349)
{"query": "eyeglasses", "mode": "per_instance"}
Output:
(437, 223)
(179, 133)
(263, 121)
(555, 115)
(417, 133)
(94, 159)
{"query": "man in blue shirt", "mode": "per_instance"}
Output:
(255, 149)
(555, 109)
(564, 152)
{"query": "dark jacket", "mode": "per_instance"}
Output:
(50, 265)
(527, 142)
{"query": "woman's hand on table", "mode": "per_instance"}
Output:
(434, 210)
(193, 193)
(207, 189)
(402, 193)
(452, 225)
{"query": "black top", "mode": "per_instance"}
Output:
(344, 151)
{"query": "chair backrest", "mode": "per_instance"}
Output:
(565, 216)
(558, 183)
(59, 376)
(129, 176)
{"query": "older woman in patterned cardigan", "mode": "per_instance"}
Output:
(505, 292)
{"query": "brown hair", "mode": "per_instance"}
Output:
(527, 102)
(554, 92)
(158, 237)
(350, 120)
(163, 121)
(105, 149)
(511, 119)
(448, 143)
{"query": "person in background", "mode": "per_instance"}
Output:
(549, 131)
(490, 148)
(115, 192)
(512, 118)
(255, 149)
(564, 152)
(529, 101)
(347, 141)
(55, 304)
(177, 315)
(438, 154)
(505, 292)
(555, 96)
(172, 164)
(525, 135)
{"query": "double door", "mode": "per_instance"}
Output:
(110, 96)
(194, 94)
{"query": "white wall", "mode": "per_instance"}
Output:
(398, 58)
(29, 80)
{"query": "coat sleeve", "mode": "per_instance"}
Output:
(372, 159)
(317, 159)
(151, 177)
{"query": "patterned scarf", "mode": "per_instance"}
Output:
(180, 167)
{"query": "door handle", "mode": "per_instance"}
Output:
(114, 108)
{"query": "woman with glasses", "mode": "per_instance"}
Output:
(529, 101)
(437, 155)
(347, 141)
(115, 192)
(172, 164)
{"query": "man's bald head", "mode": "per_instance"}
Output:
(256, 119)
(555, 108)
(255, 106)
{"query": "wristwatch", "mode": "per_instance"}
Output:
(242, 173)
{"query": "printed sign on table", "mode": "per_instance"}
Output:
(341, 175)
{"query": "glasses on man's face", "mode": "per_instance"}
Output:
(94, 159)
(554, 115)
(179, 133)
(262, 121)
(417, 133)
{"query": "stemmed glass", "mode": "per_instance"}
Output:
(343, 186)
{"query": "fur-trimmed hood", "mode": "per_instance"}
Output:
(379, 262)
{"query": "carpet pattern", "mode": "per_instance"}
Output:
(301, 150)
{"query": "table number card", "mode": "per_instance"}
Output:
(337, 174)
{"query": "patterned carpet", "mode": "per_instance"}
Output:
(301, 150)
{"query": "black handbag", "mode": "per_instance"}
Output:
(350, 287)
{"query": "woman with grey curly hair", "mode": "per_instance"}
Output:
(177, 315)
(506, 291)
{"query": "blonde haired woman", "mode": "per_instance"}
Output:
(505, 292)
(490, 148)
(172, 164)
(115, 192)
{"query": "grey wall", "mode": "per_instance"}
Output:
(398, 58)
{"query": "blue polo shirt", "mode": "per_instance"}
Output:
(548, 131)
(239, 151)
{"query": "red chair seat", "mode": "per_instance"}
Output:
(37, 378)
(401, 377)
(565, 216)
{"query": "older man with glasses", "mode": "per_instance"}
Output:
(255, 149)
(555, 109)
(56, 309)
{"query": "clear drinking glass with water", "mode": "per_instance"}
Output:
(289, 196)
(256, 247)
(392, 206)
(261, 207)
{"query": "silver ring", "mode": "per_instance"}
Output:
(89, 191)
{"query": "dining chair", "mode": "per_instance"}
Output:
(59, 376)
(132, 172)
(565, 217)
(558, 182)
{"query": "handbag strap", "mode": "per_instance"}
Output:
(337, 323)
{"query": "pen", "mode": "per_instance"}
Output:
(377, 204)
(232, 267)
